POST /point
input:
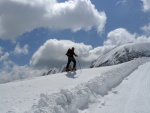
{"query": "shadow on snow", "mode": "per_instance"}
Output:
(71, 74)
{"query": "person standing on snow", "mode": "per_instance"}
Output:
(70, 53)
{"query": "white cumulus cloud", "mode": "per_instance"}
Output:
(146, 29)
(1, 50)
(121, 36)
(24, 50)
(4, 56)
(19, 16)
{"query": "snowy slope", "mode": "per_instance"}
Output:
(76, 92)
(131, 96)
(123, 53)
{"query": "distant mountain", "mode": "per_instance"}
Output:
(123, 53)
(55, 70)
(51, 71)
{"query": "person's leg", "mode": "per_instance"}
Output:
(74, 63)
(69, 60)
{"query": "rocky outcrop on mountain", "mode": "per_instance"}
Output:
(55, 70)
(51, 71)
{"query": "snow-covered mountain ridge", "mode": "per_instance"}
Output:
(123, 53)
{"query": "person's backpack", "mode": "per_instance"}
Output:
(69, 52)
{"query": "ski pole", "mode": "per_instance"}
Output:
(79, 64)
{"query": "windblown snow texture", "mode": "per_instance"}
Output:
(79, 98)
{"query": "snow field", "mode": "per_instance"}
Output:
(132, 95)
(139, 99)
(85, 94)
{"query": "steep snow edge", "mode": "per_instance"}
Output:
(83, 95)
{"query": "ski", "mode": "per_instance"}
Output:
(71, 70)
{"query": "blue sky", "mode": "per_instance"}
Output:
(34, 33)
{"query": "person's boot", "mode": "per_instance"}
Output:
(67, 69)
(74, 69)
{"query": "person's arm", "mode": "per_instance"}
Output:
(74, 54)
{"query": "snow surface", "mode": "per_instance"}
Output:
(122, 88)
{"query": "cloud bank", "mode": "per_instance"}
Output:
(12, 72)
(20, 16)
(52, 53)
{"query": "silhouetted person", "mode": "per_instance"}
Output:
(70, 53)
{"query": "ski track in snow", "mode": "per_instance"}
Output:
(139, 96)
(101, 89)
(133, 94)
